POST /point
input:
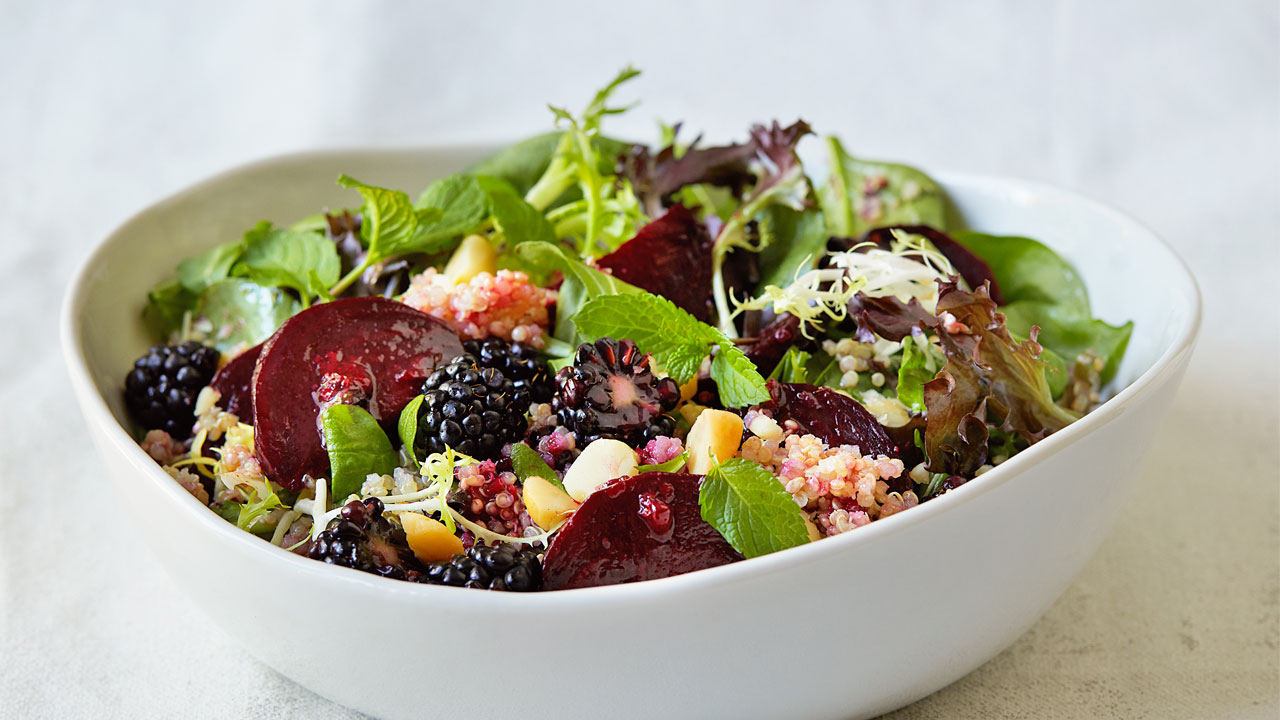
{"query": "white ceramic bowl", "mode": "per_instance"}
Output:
(851, 626)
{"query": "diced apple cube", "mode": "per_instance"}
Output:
(715, 436)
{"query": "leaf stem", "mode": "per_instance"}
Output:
(352, 276)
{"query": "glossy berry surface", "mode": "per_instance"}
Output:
(518, 362)
(490, 568)
(474, 410)
(160, 391)
(362, 539)
(611, 392)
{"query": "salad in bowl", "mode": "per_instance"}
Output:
(585, 361)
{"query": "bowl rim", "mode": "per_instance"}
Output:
(96, 411)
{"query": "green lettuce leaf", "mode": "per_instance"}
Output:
(527, 463)
(861, 194)
(1042, 289)
(989, 378)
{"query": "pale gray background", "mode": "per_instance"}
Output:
(1169, 110)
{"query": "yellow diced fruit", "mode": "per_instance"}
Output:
(547, 504)
(690, 412)
(814, 533)
(600, 462)
(714, 437)
(689, 389)
(474, 256)
(428, 538)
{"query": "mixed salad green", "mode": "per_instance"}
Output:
(683, 354)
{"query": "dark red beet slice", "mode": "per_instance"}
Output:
(387, 347)
(234, 381)
(637, 528)
(972, 268)
(835, 418)
(773, 342)
(671, 257)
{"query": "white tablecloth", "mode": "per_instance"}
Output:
(1169, 110)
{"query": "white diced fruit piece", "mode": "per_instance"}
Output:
(547, 504)
(474, 256)
(601, 461)
(715, 436)
(765, 428)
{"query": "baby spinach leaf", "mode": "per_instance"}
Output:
(357, 447)
(527, 463)
(407, 427)
(797, 241)
(862, 194)
(1041, 288)
(751, 509)
(522, 163)
(304, 261)
(242, 312)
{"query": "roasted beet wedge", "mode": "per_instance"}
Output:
(379, 349)
(671, 257)
(835, 418)
(234, 382)
(637, 528)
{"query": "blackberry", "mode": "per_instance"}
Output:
(610, 392)
(471, 409)
(361, 538)
(491, 568)
(160, 391)
(517, 362)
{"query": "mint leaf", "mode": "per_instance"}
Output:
(200, 272)
(357, 447)
(912, 375)
(751, 509)
(304, 261)
(736, 377)
(581, 283)
(243, 313)
(390, 222)
(672, 465)
(527, 463)
(407, 427)
(677, 340)
(463, 205)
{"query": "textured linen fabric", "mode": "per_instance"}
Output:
(1168, 110)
